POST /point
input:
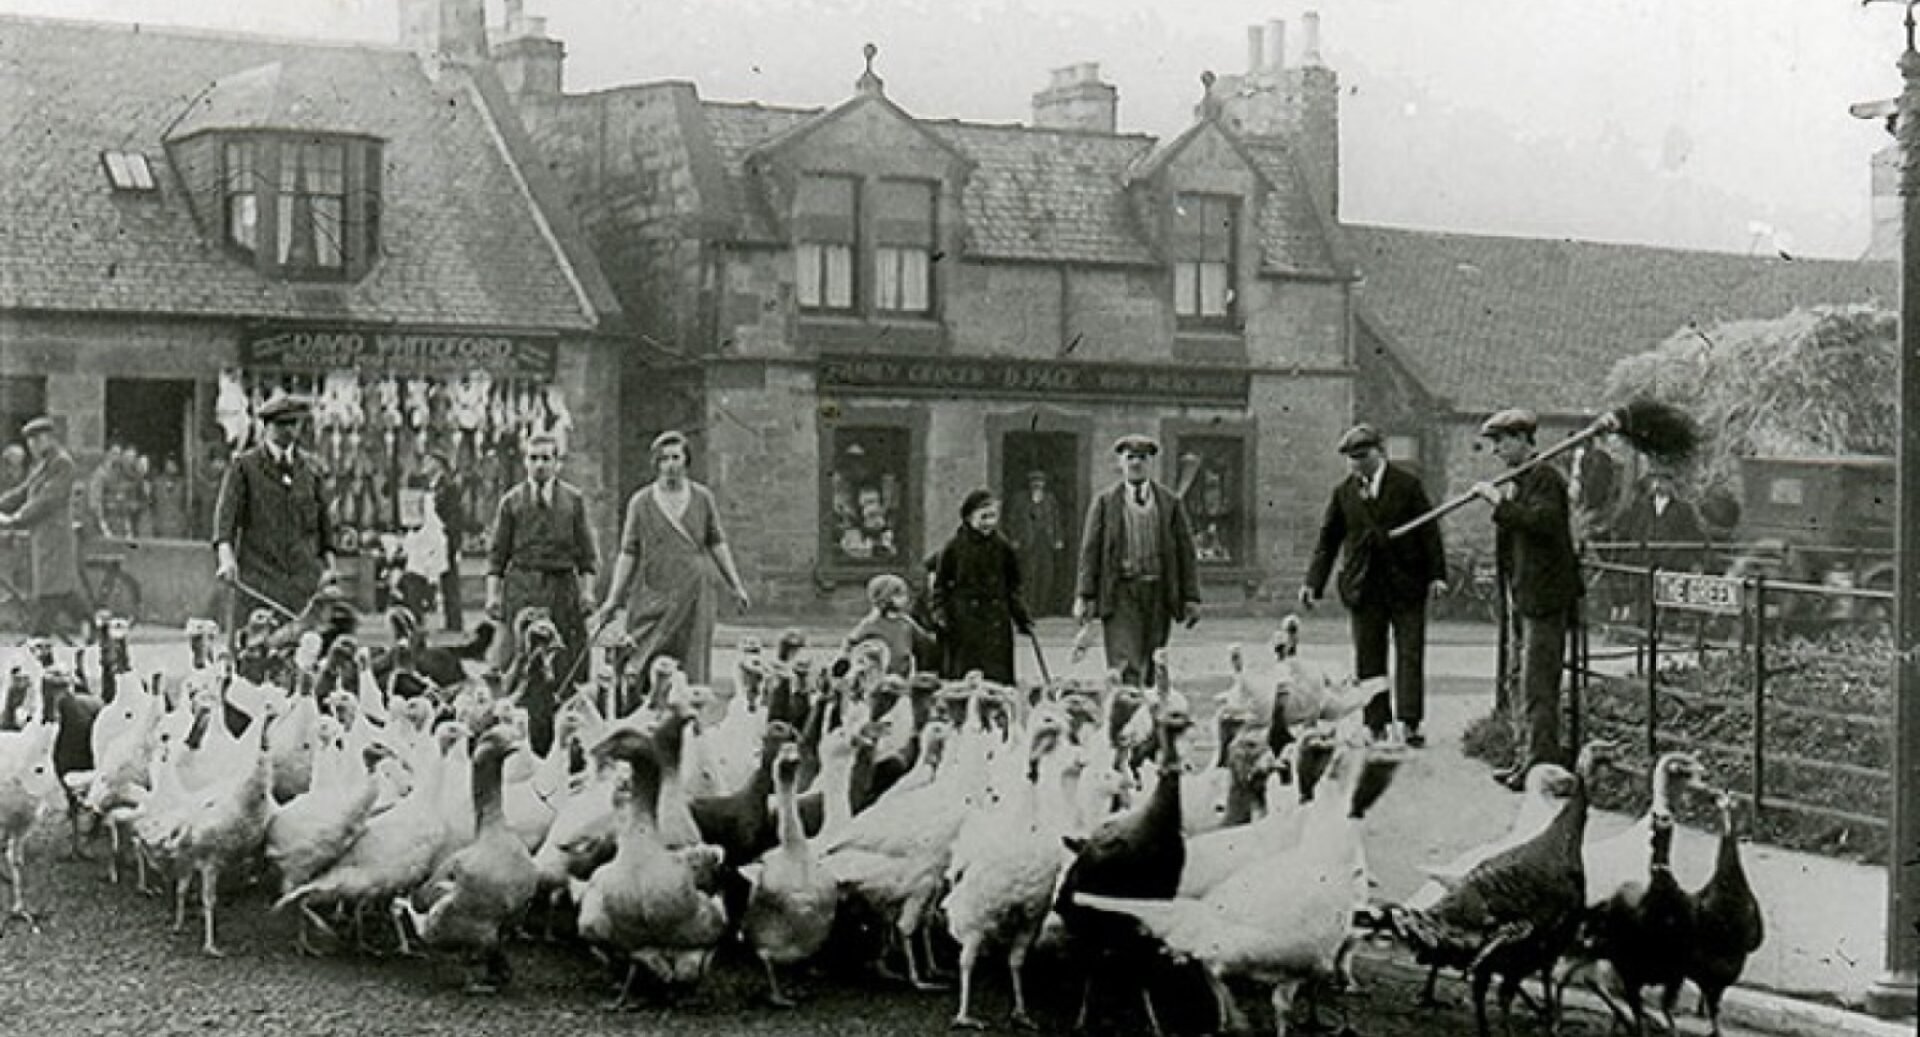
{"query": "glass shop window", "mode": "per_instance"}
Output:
(867, 494)
(143, 484)
(1211, 479)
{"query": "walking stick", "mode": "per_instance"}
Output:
(585, 649)
(273, 603)
(1039, 656)
(1655, 429)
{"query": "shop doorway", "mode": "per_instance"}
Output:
(1046, 531)
(152, 420)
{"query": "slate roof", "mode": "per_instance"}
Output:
(463, 245)
(1490, 322)
(1041, 195)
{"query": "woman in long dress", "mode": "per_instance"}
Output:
(673, 543)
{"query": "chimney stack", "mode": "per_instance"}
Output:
(449, 30)
(1298, 104)
(528, 63)
(1076, 99)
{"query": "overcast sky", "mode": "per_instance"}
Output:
(1716, 124)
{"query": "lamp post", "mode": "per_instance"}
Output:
(1893, 993)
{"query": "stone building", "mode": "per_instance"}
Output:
(872, 313)
(195, 221)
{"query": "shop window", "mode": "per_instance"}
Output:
(903, 246)
(825, 226)
(1203, 251)
(142, 485)
(869, 475)
(21, 399)
(1212, 481)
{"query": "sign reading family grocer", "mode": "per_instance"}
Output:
(906, 375)
(398, 352)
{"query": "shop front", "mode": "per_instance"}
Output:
(901, 440)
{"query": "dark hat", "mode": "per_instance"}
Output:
(1136, 444)
(37, 425)
(1036, 476)
(1511, 420)
(1360, 437)
(974, 502)
(285, 408)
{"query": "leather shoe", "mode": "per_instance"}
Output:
(1506, 775)
(1416, 740)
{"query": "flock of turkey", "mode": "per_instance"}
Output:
(827, 810)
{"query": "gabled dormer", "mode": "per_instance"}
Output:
(867, 199)
(281, 176)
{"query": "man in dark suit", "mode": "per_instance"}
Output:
(270, 530)
(1384, 582)
(1138, 567)
(42, 505)
(542, 554)
(1533, 547)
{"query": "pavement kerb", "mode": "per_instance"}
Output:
(1741, 1009)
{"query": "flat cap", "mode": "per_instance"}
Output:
(1136, 443)
(37, 425)
(1360, 437)
(285, 408)
(1513, 419)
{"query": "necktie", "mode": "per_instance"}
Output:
(1140, 494)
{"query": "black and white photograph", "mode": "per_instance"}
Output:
(1107, 518)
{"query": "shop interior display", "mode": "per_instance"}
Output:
(371, 434)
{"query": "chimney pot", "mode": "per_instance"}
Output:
(1276, 57)
(1256, 49)
(1075, 98)
(1310, 44)
(1089, 71)
(1062, 77)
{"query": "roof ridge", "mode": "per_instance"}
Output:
(1058, 131)
(1536, 239)
(201, 32)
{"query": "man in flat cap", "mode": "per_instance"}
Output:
(1384, 582)
(42, 506)
(270, 529)
(1138, 566)
(1540, 575)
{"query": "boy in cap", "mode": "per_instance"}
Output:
(42, 505)
(1540, 574)
(271, 535)
(1384, 582)
(1138, 565)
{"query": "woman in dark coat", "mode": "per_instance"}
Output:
(976, 594)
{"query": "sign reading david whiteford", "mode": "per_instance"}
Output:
(398, 352)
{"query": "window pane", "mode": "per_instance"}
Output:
(807, 275)
(1186, 290)
(142, 171)
(839, 280)
(243, 220)
(823, 209)
(1214, 290)
(239, 157)
(916, 281)
(1211, 474)
(328, 225)
(868, 491)
(325, 169)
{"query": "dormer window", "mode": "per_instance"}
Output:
(1203, 247)
(304, 207)
(128, 171)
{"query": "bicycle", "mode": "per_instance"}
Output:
(107, 587)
